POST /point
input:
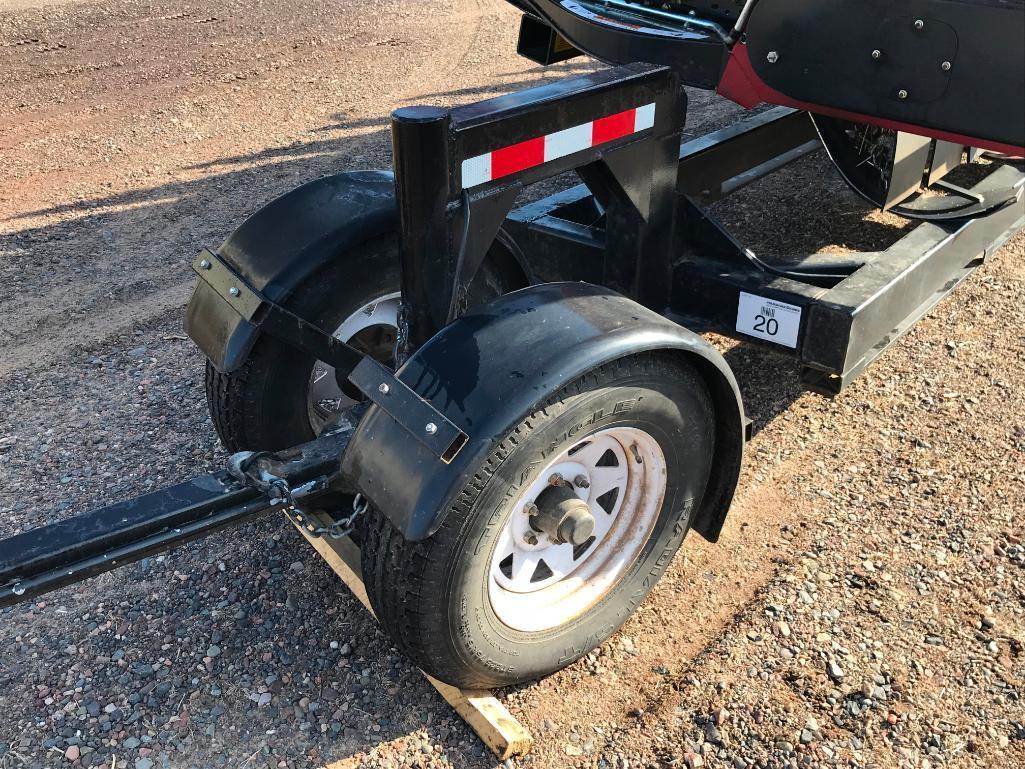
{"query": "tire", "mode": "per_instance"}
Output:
(440, 599)
(265, 405)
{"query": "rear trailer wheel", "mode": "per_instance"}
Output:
(558, 535)
(281, 396)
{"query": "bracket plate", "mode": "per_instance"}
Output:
(420, 418)
(245, 300)
(375, 380)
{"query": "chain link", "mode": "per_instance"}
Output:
(281, 493)
(339, 528)
(401, 349)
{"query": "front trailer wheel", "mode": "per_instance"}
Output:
(558, 535)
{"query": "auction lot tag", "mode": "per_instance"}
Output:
(768, 319)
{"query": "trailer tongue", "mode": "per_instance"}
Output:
(69, 551)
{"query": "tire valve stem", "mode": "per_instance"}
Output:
(637, 453)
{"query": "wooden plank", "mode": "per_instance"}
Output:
(495, 725)
(489, 718)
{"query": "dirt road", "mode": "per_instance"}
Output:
(865, 607)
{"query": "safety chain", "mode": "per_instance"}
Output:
(280, 493)
(401, 349)
(339, 528)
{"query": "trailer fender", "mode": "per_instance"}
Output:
(486, 372)
(282, 245)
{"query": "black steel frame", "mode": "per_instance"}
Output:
(636, 224)
(852, 309)
(446, 230)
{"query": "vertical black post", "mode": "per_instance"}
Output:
(654, 263)
(420, 149)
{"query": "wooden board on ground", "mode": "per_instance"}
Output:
(489, 718)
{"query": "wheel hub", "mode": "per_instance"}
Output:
(562, 515)
(565, 544)
(370, 329)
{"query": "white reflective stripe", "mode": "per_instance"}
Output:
(644, 117)
(476, 170)
(563, 143)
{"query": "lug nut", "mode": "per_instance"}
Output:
(556, 479)
(581, 482)
(530, 509)
(530, 538)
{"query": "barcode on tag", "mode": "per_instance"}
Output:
(768, 319)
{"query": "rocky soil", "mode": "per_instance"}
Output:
(865, 606)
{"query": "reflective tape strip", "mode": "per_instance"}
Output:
(476, 170)
(563, 143)
(543, 149)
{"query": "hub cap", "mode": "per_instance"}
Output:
(534, 582)
(370, 329)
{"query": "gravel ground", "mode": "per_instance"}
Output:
(865, 606)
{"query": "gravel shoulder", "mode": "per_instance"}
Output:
(865, 606)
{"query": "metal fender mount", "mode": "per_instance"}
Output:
(375, 380)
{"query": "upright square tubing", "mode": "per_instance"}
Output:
(458, 173)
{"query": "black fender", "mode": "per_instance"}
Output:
(487, 370)
(284, 243)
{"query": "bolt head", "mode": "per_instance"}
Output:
(919, 24)
(383, 388)
(234, 291)
(772, 57)
(902, 94)
(205, 264)
(945, 66)
(877, 54)
(430, 428)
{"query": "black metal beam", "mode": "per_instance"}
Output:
(866, 313)
(59, 554)
(62, 553)
(850, 309)
(719, 163)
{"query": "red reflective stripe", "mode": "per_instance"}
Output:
(509, 160)
(616, 126)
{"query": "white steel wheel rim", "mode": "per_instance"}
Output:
(536, 587)
(325, 398)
